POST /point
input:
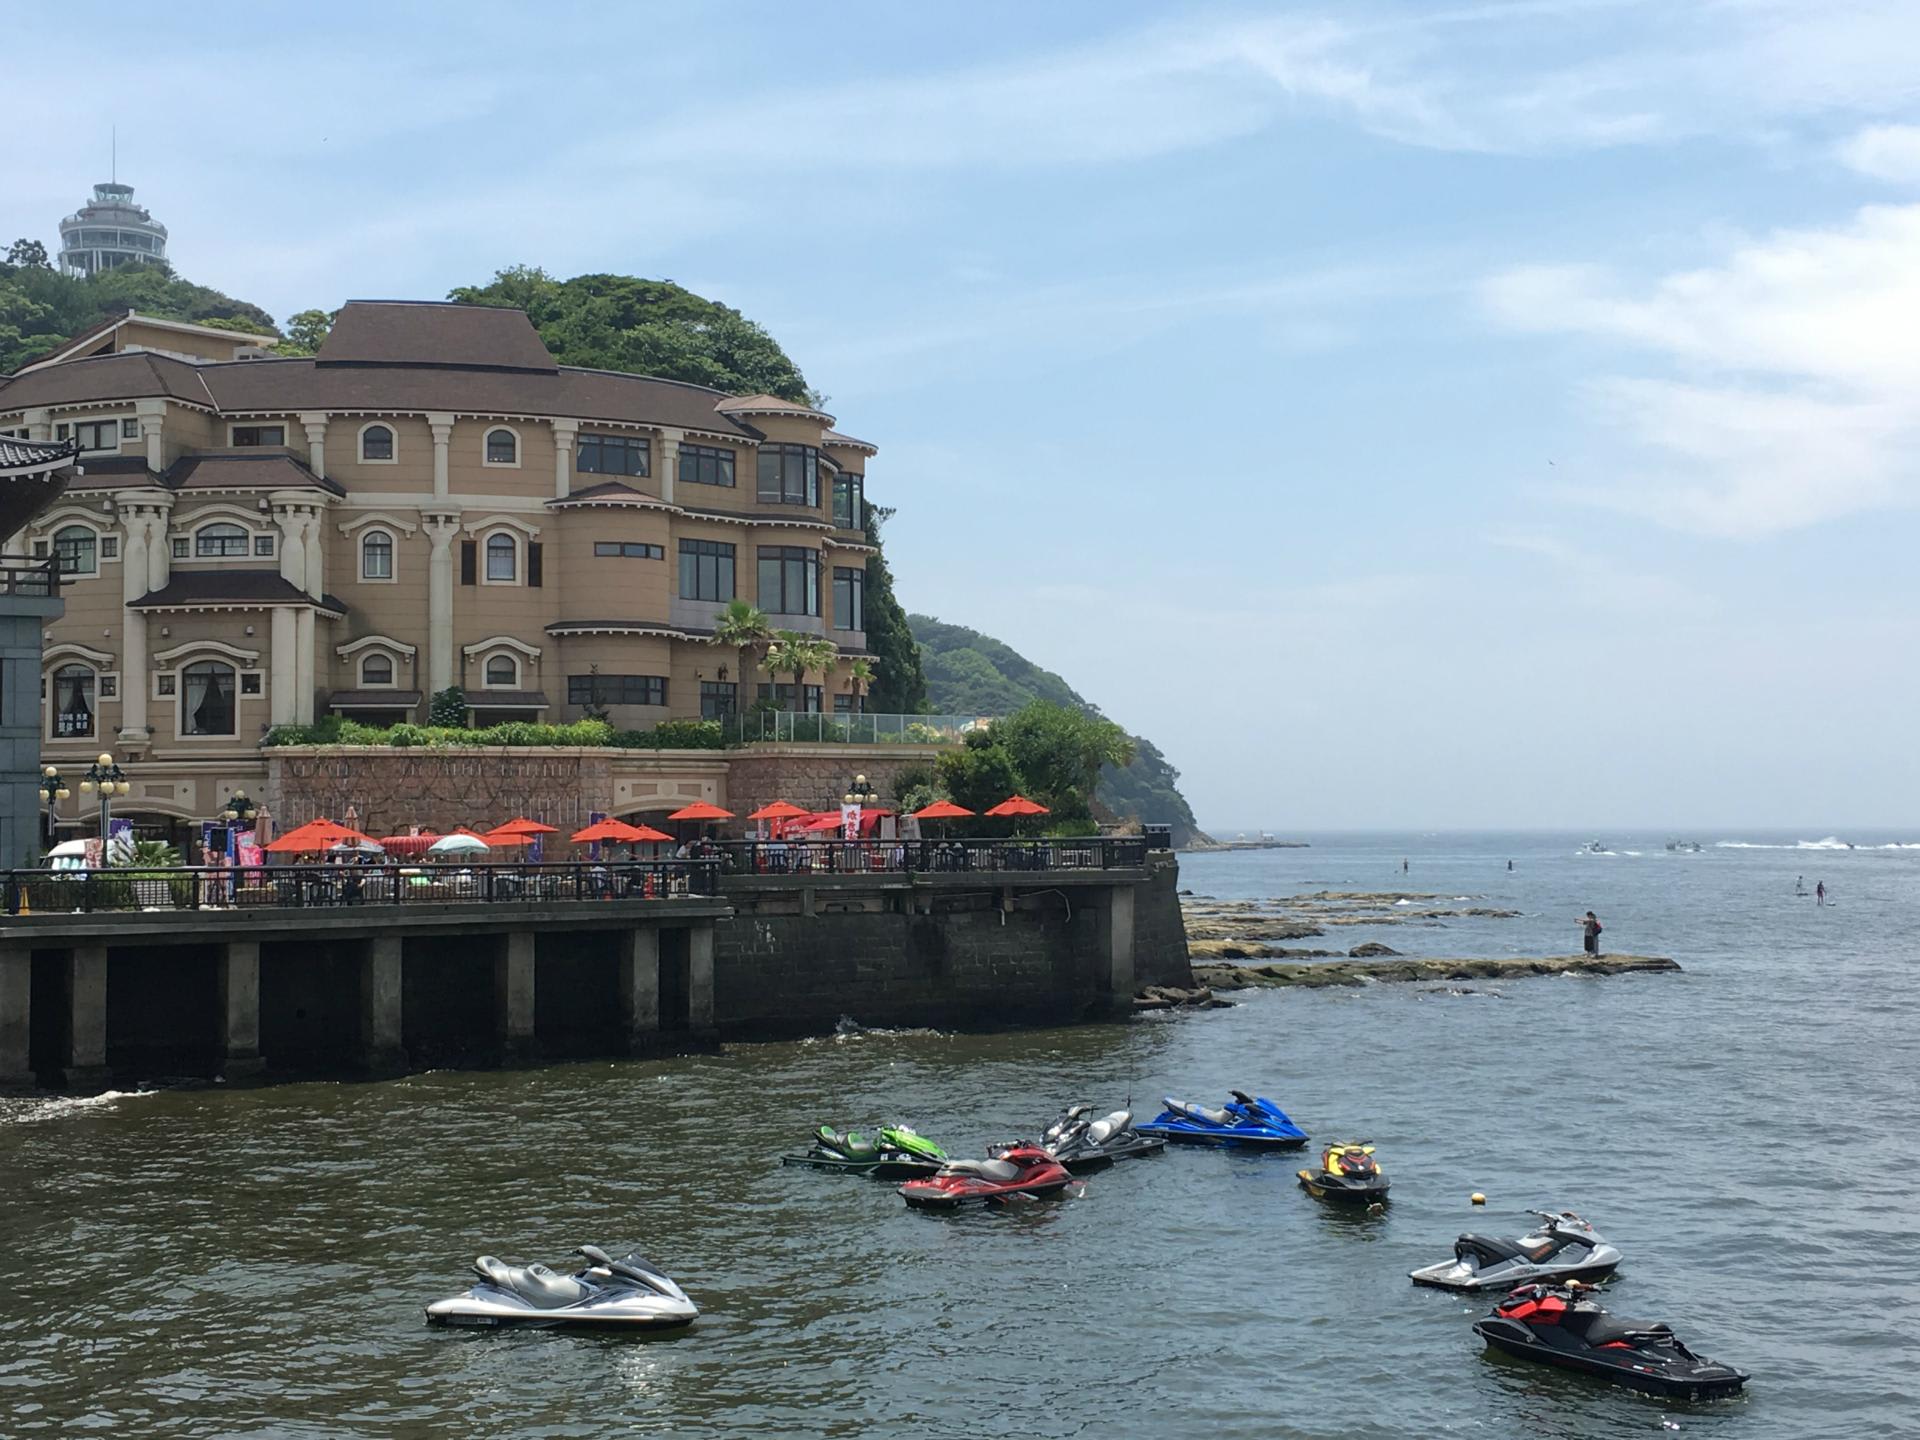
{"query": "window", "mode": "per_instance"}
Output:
(165, 685)
(109, 547)
(263, 545)
(179, 547)
(789, 475)
(97, 434)
(616, 690)
(503, 671)
(109, 687)
(718, 698)
(706, 570)
(376, 555)
(259, 435)
(612, 455)
(846, 703)
(705, 465)
(73, 701)
(129, 429)
(789, 580)
(503, 447)
(40, 549)
(206, 701)
(849, 501)
(782, 695)
(849, 598)
(376, 670)
(629, 550)
(217, 541)
(502, 558)
(376, 443)
(249, 682)
(74, 548)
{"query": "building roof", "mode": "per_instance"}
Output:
(36, 457)
(66, 348)
(424, 332)
(834, 437)
(770, 405)
(374, 700)
(254, 470)
(126, 375)
(111, 472)
(506, 700)
(234, 589)
(617, 627)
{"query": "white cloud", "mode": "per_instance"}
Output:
(1886, 152)
(1796, 392)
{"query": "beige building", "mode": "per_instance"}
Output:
(429, 501)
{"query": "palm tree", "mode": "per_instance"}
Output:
(800, 655)
(744, 626)
(859, 680)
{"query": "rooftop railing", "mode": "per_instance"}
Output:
(39, 579)
(936, 857)
(809, 727)
(302, 887)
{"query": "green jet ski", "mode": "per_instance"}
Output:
(894, 1152)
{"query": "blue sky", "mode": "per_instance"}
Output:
(1426, 415)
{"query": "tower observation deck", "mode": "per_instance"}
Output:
(110, 230)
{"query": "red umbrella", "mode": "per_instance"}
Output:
(943, 810)
(1018, 805)
(616, 831)
(524, 826)
(778, 810)
(408, 844)
(506, 840)
(647, 835)
(312, 836)
(701, 810)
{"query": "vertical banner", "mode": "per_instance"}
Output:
(594, 817)
(120, 842)
(206, 842)
(849, 822)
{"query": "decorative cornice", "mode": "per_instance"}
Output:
(232, 652)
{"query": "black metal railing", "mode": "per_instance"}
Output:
(36, 578)
(271, 887)
(866, 857)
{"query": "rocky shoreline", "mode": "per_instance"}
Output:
(1348, 972)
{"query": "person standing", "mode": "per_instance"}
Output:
(1403, 867)
(1590, 928)
(1820, 893)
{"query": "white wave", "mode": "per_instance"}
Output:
(1831, 842)
(1635, 854)
(57, 1107)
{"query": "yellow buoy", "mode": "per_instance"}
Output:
(1477, 1198)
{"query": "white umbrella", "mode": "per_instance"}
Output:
(458, 845)
(67, 847)
(364, 847)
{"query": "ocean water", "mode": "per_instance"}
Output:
(253, 1262)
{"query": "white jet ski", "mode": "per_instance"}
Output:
(1562, 1247)
(629, 1294)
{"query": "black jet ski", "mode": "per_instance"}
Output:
(1562, 1247)
(1562, 1325)
(1347, 1172)
(894, 1152)
(628, 1294)
(1084, 1144)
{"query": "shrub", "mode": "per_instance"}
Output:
(448, 707)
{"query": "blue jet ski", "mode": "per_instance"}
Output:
(1247, 1121)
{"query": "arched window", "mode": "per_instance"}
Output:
(73, 700)
(212, 542)
(376, 670)
(502, 557)
(503, 672)
(74, 547)
(376, 443)
(503, 447)
(376, 556)
(206, 699)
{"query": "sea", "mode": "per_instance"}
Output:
(253, 1262)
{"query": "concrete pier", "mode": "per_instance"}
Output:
(379, 1050)
(637, 954)
(513, 981)
(83, 1053)
(239, 1000)
(700, 1012)
(16, 1020)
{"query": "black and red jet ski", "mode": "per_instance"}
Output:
(1021, 1169)
(1561, 1325)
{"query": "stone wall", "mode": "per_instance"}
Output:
(1160, 927)
(816, 776)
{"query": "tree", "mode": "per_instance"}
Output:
(800, 655)
(860, 680)
(596, 707)
(1059, 753)
(448, 707)
(28, 253)
(979, 774)
(306, 332)
(40, 307)
(743, 625)
(901, 687)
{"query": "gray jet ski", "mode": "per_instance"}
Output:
(1562, 1247)
(628, 1294)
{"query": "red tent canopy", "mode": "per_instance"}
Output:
(701, 810)
(408, 844)
(523, 826)
(942, 810)
(1019, 805)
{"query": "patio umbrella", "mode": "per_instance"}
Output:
(408, 844)
(942, 810)
(458, 844)
(313, 836)
(778, 810)
(506, 839)
(1018, 805)
(647, 835)
(362, 846)
(701, 810)
(611, 832)
(524, 826)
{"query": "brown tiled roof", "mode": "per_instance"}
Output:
(770, 405)
(36, 455)
(259, 470)
(567, 627)
(128, 375)
(607, 490)
(78, 339)
(834, 437)
(424, 332)
(506, 700)
(231, 587)
(116, 472)
(374, 700)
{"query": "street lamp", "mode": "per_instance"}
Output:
(240, 809)
(55, 790)
(862, 793)
(109, 780)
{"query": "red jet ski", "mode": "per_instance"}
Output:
(1021, 1169)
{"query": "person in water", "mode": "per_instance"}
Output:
(1820, 893)
(1590, 928)
(1403, 867)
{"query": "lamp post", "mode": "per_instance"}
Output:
(240, 809)
(862, 793)
(55, 790)
(108, 779)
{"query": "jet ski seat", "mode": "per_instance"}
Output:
(1492, 1251)
(536, 1284)
(1606, 1329)
(1204, 1112)
(986, 1169)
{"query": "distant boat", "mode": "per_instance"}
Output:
(1594, 847)
(1690, 847)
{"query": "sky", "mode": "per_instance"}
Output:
(1406, 415)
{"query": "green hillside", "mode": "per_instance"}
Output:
(973, 674)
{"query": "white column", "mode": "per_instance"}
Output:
(316, 552)
(160, 547)
(442, 426)
(284, 682)
(441, 530)
(140, 526)
(563, 433)
(39, 424)
(303, 666)
(316, 428)
(289, 516)
(153, 415)
(669, 462)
